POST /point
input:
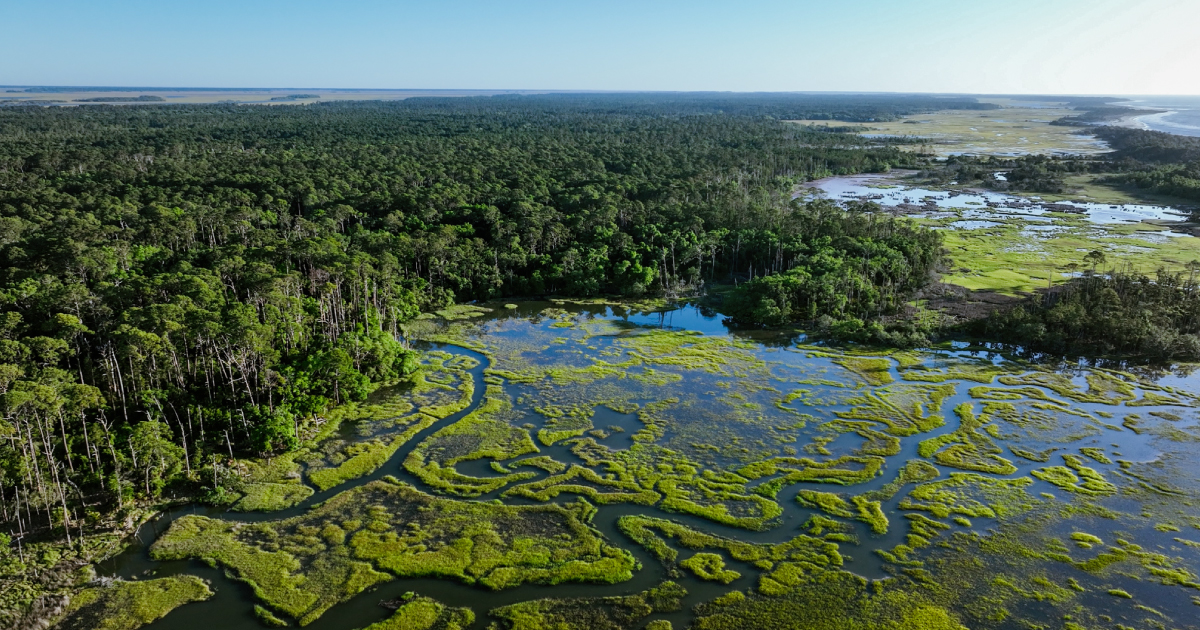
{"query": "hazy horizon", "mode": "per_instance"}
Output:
(1025, 47)
(531, 91)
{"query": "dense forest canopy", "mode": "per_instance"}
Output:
(1161, 162)
(183, 282)
(1118, 314)
(1158, 162)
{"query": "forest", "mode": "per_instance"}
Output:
(184, 285)
(1115, 315)
(1153, 161)
(189, 290)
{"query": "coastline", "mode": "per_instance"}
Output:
(1157, 120)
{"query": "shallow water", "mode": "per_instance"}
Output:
(983, 204)
(1181, 118)
(730, 412)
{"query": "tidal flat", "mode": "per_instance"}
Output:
(600, 465)
(1014, 244)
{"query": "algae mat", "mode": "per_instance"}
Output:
(604, 466)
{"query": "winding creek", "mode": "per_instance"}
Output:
(232, 606)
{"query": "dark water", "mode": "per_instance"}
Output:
(232, 606)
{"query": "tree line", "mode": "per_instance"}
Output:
(1120, 315)
(187, 283)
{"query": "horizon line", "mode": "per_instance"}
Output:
(134, 88)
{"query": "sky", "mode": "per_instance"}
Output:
(962, 46)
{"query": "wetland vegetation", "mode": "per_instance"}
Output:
(941, 488)
(252, 322)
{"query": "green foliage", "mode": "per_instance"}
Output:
(846, 471)
(303, 565)
(267, 618)
(830, 600)
(233, 273)
(130, 605)
(1075, 477)
(160, 459)
(967, 448)
(711, 567)
(477, 435)
(1160, 162)
(784, 565)
(271, 497)
(272, 431)
(1117, 314)
(841, 267)
(424, 613)
(589, 613)
(903, 409)
(858, 507)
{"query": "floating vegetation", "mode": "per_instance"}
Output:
(846, 471)
(876, 442)
(972, 495)
(481, 434)
(1075, 477)
(462, 311)
(967, 448)
(268, 618)
(1103, 387)
(783, 565)
(873, 370)
(904, 409)
(826, 600)
(980, 373)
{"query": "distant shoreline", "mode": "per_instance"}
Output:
(1133, 120)
(1155, 120)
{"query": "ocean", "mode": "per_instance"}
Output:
(1183, 117)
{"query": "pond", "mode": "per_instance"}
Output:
(584, 450)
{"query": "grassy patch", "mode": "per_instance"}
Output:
(858, 507)
(480, 434)
(711, 567)
(590, 613)
(1075, 477)
(271, 497)
(903, 409)
(129, 605)
(301, 566)
(424, 613)
(971, 495)
(967, 448)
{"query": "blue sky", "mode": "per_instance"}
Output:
(1009, 46)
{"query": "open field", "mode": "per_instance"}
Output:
(1008, 131)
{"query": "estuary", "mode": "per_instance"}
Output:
(604, 465)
